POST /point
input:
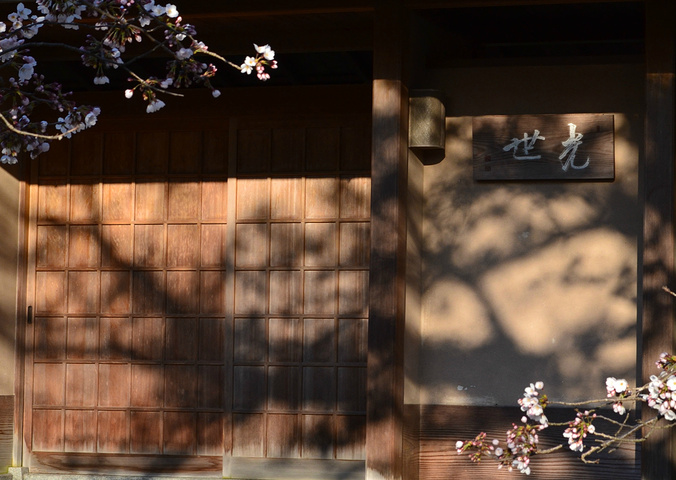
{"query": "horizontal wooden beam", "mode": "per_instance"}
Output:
(428, 4)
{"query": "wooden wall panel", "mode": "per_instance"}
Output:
(82, 338)
(210, 434)
(51, 286)
(321, 197)
(181, 433)
(185, 152)
(285, 292)
(286, 244)
(148, 338)
(318, 440)
(49, 380)
(211, 339)
(183, 201)
(288, 149)
(85, 203)
(119, 152)
(214, 201)
(286, 198)
(52, 242)
(115, 292)
(322, 148)
(48, 430)
(152, 150)
(86, 154)
(80, 431)
(283, 391)
(117, 201)
(150, 202)
(181, 339)
(213, 246)
(248, 429)
(147, 428)
(116, 245)
(113, 431)
(83, 246)
(252, 199)
(81, 385)
(253, 150)
(320, 292)
(115, 385)
(53, 203)
(50, 338)
(351, 437)
(149, 246)
(148, 386)
(285, 340)
(83, 292)
(182, 292)
(284, 433)
(115, 338)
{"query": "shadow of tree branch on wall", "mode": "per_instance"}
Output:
(524, 281)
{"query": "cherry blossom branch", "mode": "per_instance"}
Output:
(522, 441)
(113, 25)
(18, 131)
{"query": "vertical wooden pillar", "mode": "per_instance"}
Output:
(384, 434)
(658, 234)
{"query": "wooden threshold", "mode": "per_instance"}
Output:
(101, 464)
(294, 468)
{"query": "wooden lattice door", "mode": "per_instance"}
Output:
(127, 341)
(198, 295)
(300, 294)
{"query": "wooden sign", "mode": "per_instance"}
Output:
(544, 147)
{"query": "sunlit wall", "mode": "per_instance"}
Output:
(525, 281)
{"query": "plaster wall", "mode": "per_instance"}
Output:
(9, 198)
(526, 281)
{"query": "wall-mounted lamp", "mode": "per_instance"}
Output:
(427, 128)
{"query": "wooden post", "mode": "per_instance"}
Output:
(658, 231)
(384, 438)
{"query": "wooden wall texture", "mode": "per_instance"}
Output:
(6, 431)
